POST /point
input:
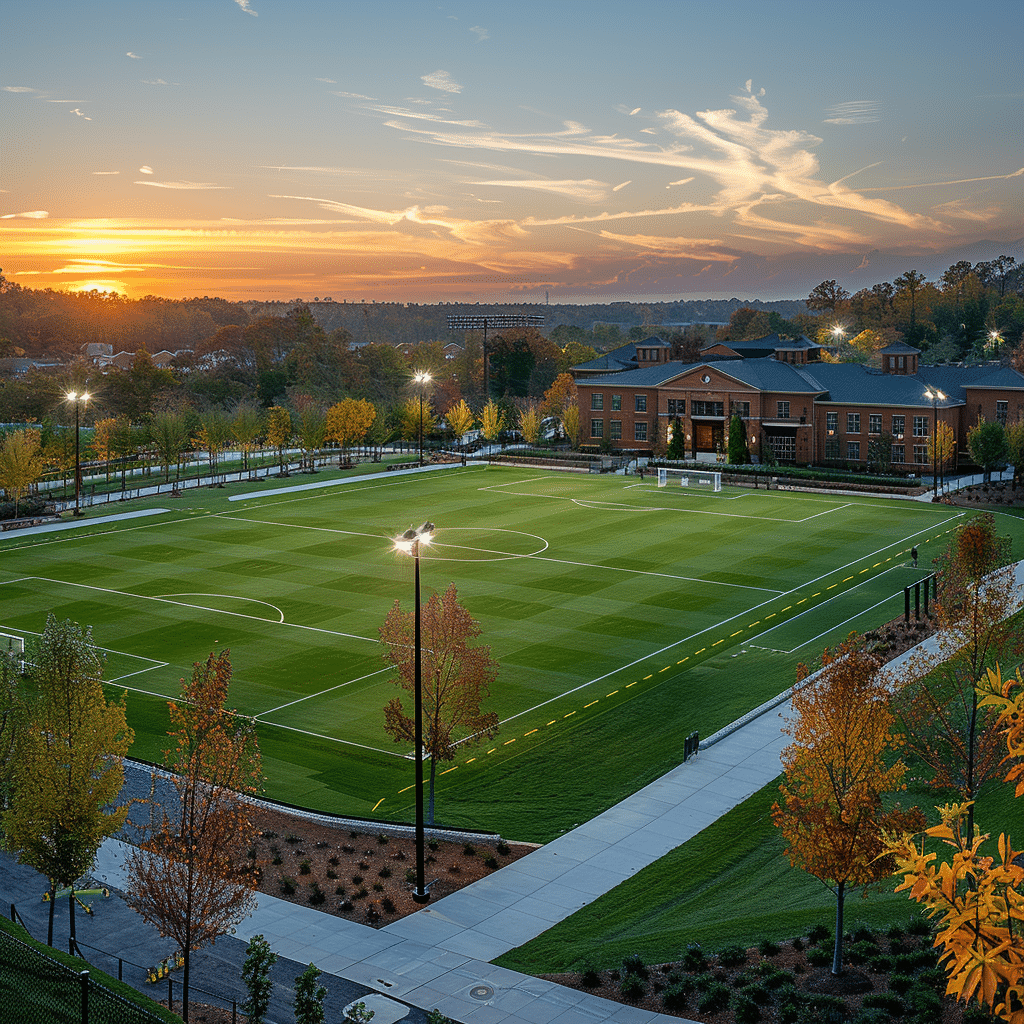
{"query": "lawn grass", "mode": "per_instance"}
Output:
(616, 612)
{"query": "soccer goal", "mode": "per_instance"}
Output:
(14, 645)
(690, 478)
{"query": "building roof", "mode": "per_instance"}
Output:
(764, 374)
(900, 348)
(621, 358)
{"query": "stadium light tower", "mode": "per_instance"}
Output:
(80, 398)
(497, 321)
(409, 543)
(935, 396)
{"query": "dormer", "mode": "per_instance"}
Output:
(652, 352)
(900, 359)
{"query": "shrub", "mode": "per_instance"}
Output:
(339, 890)
(410, 876)
(757, 993)
(433, 844)
(333, 860)
(353, 834)
(383, 839)
(288, 885)
(674, 998)
(862, 933)
(767, 947)
(454, 869)
(872, 1016)
(293, 839)
(632, 987)
(316, 894)
(881, 963)
(746, 1010)
(503, 849)
(819, 933)
(388, 904)
(345, 906)
(469, 850)
(974, 1014)
(901, 983)
(363, 866)
(589, 978)
(918, 926)
(634, 964)
(278, 859)
(305, 867)
(858, 952)
(714, 998)
(259, 960)
(694, 958)
(818, 957)
(895, 931)
(491, 862)
(348, 849)
(361, 893)
(798, 944)
(357, 879)
(925, 1002)
(385, 872)
(437, 1017)
(732, 956)
(378, 886)
(888, 1001)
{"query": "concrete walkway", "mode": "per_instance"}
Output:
(439, 956)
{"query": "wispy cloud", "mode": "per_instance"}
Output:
(19, 88)
(941, 184)
(145, 169)
(480, 33)
(352, 96)
(78, 113)
(588, 190)
(621, 186)
(853, 112)
(183, 185)
(441, 80)
(152, 81)
(106, 172)
(134, 56)
(327, 81)
(27, 215)
(244, 5)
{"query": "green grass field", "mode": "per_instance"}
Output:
(623, 617)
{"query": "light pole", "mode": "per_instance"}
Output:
(423, 379)
(80, 398)
(935, 396)
(409, 543)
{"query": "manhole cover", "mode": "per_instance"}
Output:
(481, 992)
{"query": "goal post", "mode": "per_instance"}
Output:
(14, 645)
(690, 478)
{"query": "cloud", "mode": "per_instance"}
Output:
(327, 81)
(480, 33)
(19, 88)
(621, 185)
(635, 111)
(441, 80)
(152, 81)
(958, 208)
(244, 5)
(79, 113)
(106, 172)
(353, 96)
(27, 215)
(941, 184)
(134, 56)
(145, 169)
(587, 190)
(184, 185)
(853, 112)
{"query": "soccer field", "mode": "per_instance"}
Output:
(623, 617)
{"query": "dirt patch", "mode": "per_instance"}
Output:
(364, 875)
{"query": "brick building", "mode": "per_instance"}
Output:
(807, 410)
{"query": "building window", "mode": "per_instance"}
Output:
(677, 407)
(921, 454)
(832, 451)
(1001, 410)
(616, 403)
(707, 408)
(741, 409)
(853, 422)
(615, 430)
(899, 454)
(920, 426)
(898, 425)
(853, 451)
(597, 428)
(875, 423)
(640, 403)
(596, 401)
(832, 424)
(783, 410)
(640, 431)
(900, 363)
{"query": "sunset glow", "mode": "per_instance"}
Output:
(488, 152)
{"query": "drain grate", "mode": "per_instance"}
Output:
(481, 992)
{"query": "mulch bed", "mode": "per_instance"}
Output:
(364, 875)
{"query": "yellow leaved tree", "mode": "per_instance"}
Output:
(492, 421)
(977, 899)
(349, 420)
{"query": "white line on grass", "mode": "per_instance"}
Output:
(333, 739)
(321, 693)
(231, 597)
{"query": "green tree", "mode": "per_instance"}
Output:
(309, 997)
(677, 445)
(189, 875)
(456, 679)
(1015, 451)
(246, 426)
(21, 463)
(259, 961)
(169, 434)
(827, 296)
(312, 432)
(739, 454)
(988, 446)
(12, 721)
(279, 431)
(68, 765)
(213, 434)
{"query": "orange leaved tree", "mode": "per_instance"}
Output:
(188, 875)
(456, 678)
(838, 768)
(978, 900)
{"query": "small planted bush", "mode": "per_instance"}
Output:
(292, 838)
(746, 1010)
(333, 860)
(357, 879)
(469, 850)
(819, 933)
(632, 987)
(339, 890)
(388, 905)
(732, 956)
(589, 978)
(767, 947)
(332, 874)
(491, 862)
(503, 848)
(674, 998)
(288, 885)
(385, 872)
(694, 958)
(888, 1001)
(305, 867)
(433, 844)
(316, 894)
(714, 998)
(818, 957)
(634, 964)
(383, 839)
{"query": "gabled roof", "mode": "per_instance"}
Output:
(621, 358)
(763, 374)
(900, 348)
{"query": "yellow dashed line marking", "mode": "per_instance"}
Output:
(471, 760)
(687, 658)
(665, 669)
(717, 642)
(407, 788)
(571, 713)
(612, 694)
(648, 677)
(848, 578)
(552, 722)
(492, 750)
(378, 803)
(818, 594)
(802, 600)
(786, 609)
(861, 573)
(507, 742)
(530, 733)
(702, 650)
(628, 685)
(876, 565)
(753, 624)
(590, 705)
(447, 770)
(833, 587)
(772, 616)
(737, 633)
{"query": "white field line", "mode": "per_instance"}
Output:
(334, 739)
(231, 597)
(687, 492)
(321, 693)
(299, 526)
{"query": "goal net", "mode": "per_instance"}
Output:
(14, 645)
(690, 478)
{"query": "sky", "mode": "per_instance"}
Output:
(504, 152)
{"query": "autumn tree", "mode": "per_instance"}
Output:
(951, 735)
(213, 434)
(246, 426)
(942, 447)
(1015, 451)
(976, 900)
(279, 431)
(21, 463)
(570, 420)
(530, 423)
(561, 393)
(492, 421)
(188, 876)
(826, 296)
(349, 420)
(68, 763)
(169, 435)
(12, 721)
(838, 769)
(456, 679)
(103, 440)
(411, 414)
(312, 432)
(460, 419)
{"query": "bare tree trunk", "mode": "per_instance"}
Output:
(837, 955)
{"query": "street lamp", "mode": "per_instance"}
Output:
(80, 398)
(935, 396)
(423, 379)
(409, 543)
